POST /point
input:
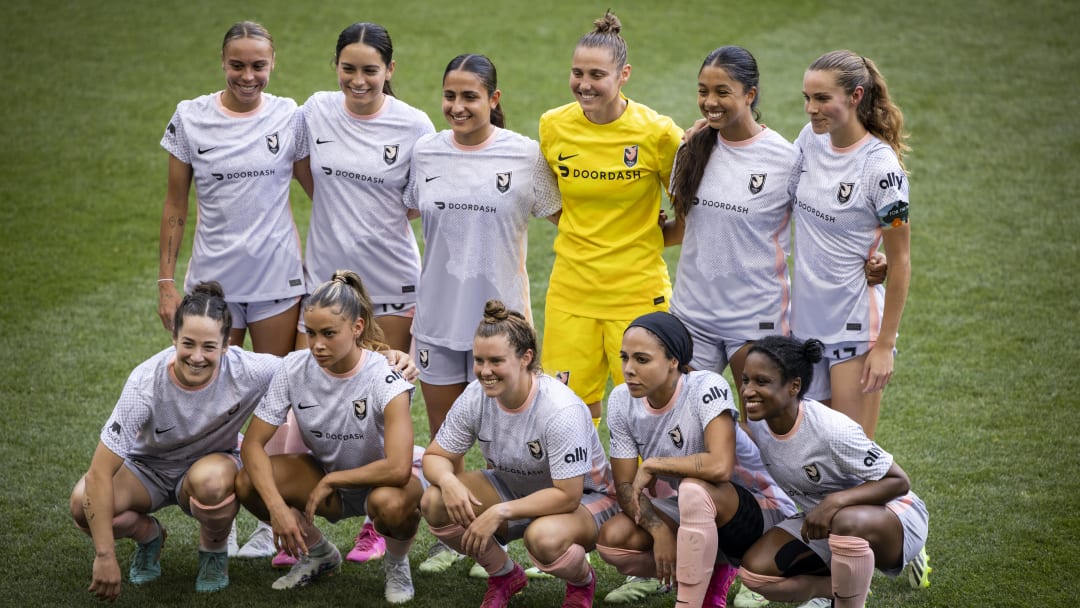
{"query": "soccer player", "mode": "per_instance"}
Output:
(238, 147)
(858, 511)
(361, 140)
(352, 410)
(612, 157)
(171, 439)
(852, 196)
(475, 185)
(547, 480)
(711, 496)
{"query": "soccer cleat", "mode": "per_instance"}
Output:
(309, 568)
(369, 545)
(537, 574)
(282, 561)
(260, 544)
(477, 571)
(716, 594)
(635, 589)
(918, 570)
(501, 588)
(747, 598)
(580, 597)
(440, 558)
(233, 546)
(146, 563)
(399, 587)
(817, 602)
(213, 571)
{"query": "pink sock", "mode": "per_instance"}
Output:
(492, 559)
(852, 568)
(792, 589)
(138, 526)
(697, 544)
(570, 566)
(215, 522)
(629, 562)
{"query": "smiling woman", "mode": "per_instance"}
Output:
(171, 439)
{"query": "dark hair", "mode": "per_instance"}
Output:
(370, 34)
(876, 111)
(499, 320)
(794, 358)
(246, 29)
(206, 300)
(484, 69)
(605, 35)
(345, 292)
(692, 158)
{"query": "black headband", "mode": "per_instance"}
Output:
(671, 332)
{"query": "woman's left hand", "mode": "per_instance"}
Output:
(642, 479)
(403, 364)
(318, 496)
(818, 521)
(877, 369)
(481, 530)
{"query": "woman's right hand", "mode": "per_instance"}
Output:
(664, 544)
(288, 535)
(459, 501)
(168, 301)
(106, 582)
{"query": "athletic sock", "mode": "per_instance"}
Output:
(215, 521)
(852, 569)
(697, 544)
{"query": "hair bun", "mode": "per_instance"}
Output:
(495, 311)
(608, 24)
(813, 349)
(210, 288)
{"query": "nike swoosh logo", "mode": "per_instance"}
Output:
(320, 142)
(428, 179)
(160, 431)
(566, 157)
(301, 406)
(205, 150)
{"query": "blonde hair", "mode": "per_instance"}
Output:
(876, 111)
(605, 35)
(246, 29)
(345, 293)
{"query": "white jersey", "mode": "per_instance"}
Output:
(678, 429)
(732, 278)
(162, 423)
(475, 203)
(550, 437)
(360, 165)
(242, 164)
(843, 199)
(341, 416)
(824, 452)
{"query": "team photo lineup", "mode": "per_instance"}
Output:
(287, 392)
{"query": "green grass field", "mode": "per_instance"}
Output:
(982, 412)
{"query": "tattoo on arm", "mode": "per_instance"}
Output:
(649, 519)
(624, 495)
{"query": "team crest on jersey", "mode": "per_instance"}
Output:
(359, 408)
(812, 472)
(272, 143)
(535, 449)
(676, 437)
(171, 129)
(502, 181)
(757, 182)
(115, 428)
(629, 156)
(423, 358)
(563, 377)
(843, 193)
(389, 154)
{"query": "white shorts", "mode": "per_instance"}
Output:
(909, 509)
(441, 366)
(820, 387)
(163, 483)
(246, 313)
(713, 355)
(381, 310)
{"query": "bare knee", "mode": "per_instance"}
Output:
(433, 508)
(620, 531)
(393, 508)
(211, 479)
(545, 541)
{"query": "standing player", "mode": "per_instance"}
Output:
(352, 410)
(238, 147)
(475, 185)
(858, 512)
(171, 439)
(852, 196)
(361, 140)
(711, 495)
(547, 480)
(613, 159)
